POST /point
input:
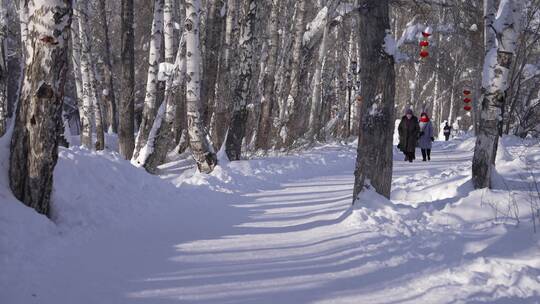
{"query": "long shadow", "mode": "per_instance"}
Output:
(358, 271)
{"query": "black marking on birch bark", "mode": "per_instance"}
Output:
(45, 91)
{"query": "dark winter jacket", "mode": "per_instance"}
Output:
(447, 130)
(409, 130)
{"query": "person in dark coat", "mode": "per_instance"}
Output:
(408, 135)
(426, 136)
(447, 130)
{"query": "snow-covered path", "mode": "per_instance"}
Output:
(282, 230)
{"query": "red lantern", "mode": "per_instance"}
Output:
(466, 92)
(467, 100)
(424, 54)
(426, 34)
(424, 43)
(467, 108)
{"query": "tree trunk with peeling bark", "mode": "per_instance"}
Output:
(200, 145)
(38, 123)
(242, 94)
(89, 85)
(225, 79)
(295, 75)
(269, 96)
(214, 29)
(374, 156)
(126, 128)
(497, 64)
(3, 68)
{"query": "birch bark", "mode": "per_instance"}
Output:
(495, 82)
(150, 100)
(38, 123)
(200, 145)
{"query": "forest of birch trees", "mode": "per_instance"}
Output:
(244, 78)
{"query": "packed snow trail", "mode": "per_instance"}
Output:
(275, 230)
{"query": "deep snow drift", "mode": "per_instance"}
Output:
(275, 230)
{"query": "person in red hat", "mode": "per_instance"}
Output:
(408, 135)
(426, 136)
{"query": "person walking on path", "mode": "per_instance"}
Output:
(447, 130)
(408, 135)
(426, 136)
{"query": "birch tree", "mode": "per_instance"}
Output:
(374, 157)
(315, 110)
(150, 100)
(495, 82)
(237, 129)
(89, 86)
(161, 138)
(168, 31)
(198, 139)
(3, 67)
(38, 122)
(126, 136)
(84, 103)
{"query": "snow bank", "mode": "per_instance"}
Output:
(373, 211)
(93, 189)
(20, 226)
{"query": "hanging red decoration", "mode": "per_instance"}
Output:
(467, 100)
(466, 92)
(424, 54)
(426, 34)
(424, 43)
(467, 108)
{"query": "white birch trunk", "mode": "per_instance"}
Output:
(495, 82)
(168, 30)
(314, 125)
(38, 122)
(150, 100)
(199, 143)
(89, 86)
(161, 136)
(82, 79)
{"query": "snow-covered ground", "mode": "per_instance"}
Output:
(275, 230)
